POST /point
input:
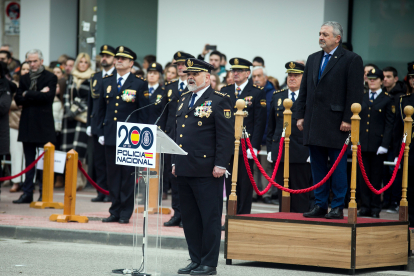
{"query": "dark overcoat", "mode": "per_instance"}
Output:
(7, 89)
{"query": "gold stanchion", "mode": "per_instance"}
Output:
(70, 191)
(355, 121)
(287, 124)
(238, 127)
(48, 180)
(408, 121)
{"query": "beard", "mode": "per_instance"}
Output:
(322, 44)
(193, 87)
(105, 64)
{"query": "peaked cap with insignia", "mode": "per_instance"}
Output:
(181, 56)
(410, 67)
(122, 51)
(240, 63)
(106, 49)
(294, 67)
(375, 74)
(197, 65)
(155, 67)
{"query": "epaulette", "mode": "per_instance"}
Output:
(185, 93)
(278, 91)
(139, 77)
(92, 75)
(226, 85)
(109, 76)
(261, 88)
(163, 88)
(169, 82)
(386, 93)
(221, 94)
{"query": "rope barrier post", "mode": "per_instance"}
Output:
(287, 124)
(70, 191)
(238, 127)
(408, 121)
(355, 121)
(48, 180)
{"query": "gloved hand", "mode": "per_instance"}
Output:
(308, 160)
(382, 150)
(101, 140)
(88, 131)
(227, 174)
(249, 155)
(269, 157)
(395, 162)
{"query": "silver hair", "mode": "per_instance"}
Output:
(260, 67)
(8, 45)
(35, 51)
(337, 28)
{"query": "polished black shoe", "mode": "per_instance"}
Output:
(174, 221)
(24, 198)
(375, 215)
(188, 268)
(107, 199)
(111, 218)
(316, 212)
(123, 221)
(40, 198)
(204, 270)
(363, 213)
(335, 213)
(181, 224)
(99, 198)
(267, 200)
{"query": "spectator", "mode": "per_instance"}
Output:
(229, 79)
(274, 81)
(24, 69)
(258, 61)
(58, 71)
(6, 57)
(62, 59)
(69, 66)
(75, 102)
(15, 63)
(148, 59)
(35, 93)
(171, 73)
(215, 59)
(136, 69)
(214, 81)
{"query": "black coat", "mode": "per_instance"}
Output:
(113, 109)
(376, 122)
(7, 89)
(156, 109)
(255, 122)
(325, 105)
(398, 130)
(298, 153)
(173, 94)
(36, 122)
(208, 141)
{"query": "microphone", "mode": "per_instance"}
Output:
(156, 102)
(156, 122)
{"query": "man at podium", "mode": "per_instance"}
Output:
(205, 130)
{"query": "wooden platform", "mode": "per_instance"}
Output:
(289, 238)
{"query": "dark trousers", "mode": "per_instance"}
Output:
(166, 179)
(410, 195)
(99, 164)
(374, 167)
(201, 200)
(29, 150)
(244, 188)
(175, 197)
(300, 177)
(121, 186)
(319, 166)
(393, 194)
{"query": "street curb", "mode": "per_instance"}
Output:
(88, 237)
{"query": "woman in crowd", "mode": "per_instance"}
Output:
(58, 71)
(171, 73)
(214, 81)
(229, 77)
(75, 105)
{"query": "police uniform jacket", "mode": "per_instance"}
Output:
(298, 153)
(398, 130)
(208, 141)
(376, 123)
(113, 109)
(255, 122)
(158, 107)
(173, 94)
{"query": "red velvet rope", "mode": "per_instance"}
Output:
(24, 171)
(105, 192)
(394, 173)
(341, 154)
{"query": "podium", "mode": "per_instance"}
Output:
(147, 222)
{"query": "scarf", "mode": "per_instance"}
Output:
(34, 76)
(79, 77)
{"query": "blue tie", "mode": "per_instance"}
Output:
(181, 88)
(151, 90)
(192, 100)
(293, 96)
(371, 100)
(325, 62)
(119, 83)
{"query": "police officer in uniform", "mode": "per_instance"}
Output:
(99, 163)
(174, 91)
(205, 130)
(255, 124)
(377, 119)
(122, 93)
(157, 95)
(300, 176)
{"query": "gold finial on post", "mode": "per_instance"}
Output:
(408, 125)
(355, 122)
(287, 123)
(238, 128)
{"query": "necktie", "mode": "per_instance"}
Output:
(371, 100)
(293, 96)
(119, 83)
(325, 62)
(181, 86)
(238, 90)
(151, 90)
(192, 100)
(105, 75)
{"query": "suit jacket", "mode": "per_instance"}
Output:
(298, 153)
(398, 130)
(208, 141)
(255, 122)
(36, 122)
(173, 94)
(158, 107)
(377, 121)
(113, 109)
(325, 104)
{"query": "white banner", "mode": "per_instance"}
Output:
(136, 145)
(60, 160)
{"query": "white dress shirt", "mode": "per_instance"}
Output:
(179, 83)
(155, 86)
(242, 86)
(124, 77)
(296, 94)
(376, 93)
(107, 72)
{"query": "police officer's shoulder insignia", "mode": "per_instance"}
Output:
(279, 102)
(94, 83)
(108, 89)
(393, 108)
(227, 113)
(185, 93)
(278, 91)
(109, 76)
(219, 93)
(263, 102)
(181, 105)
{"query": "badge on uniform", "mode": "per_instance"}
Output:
(94, 83)
(146, 94)
(393, 108)
(128, 95)
(227, 113)
(169, 93)
(263, 102)
(248, 100)
(108, 89)
(159, 97)
(204, 110)
(279, 102)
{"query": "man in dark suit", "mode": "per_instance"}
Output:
(300, 176)
(99, 162)
(122, 93)
(174, 91)
(377, 119)
(255, 124)
(203, 113)
(36, 93)
(332, 82)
